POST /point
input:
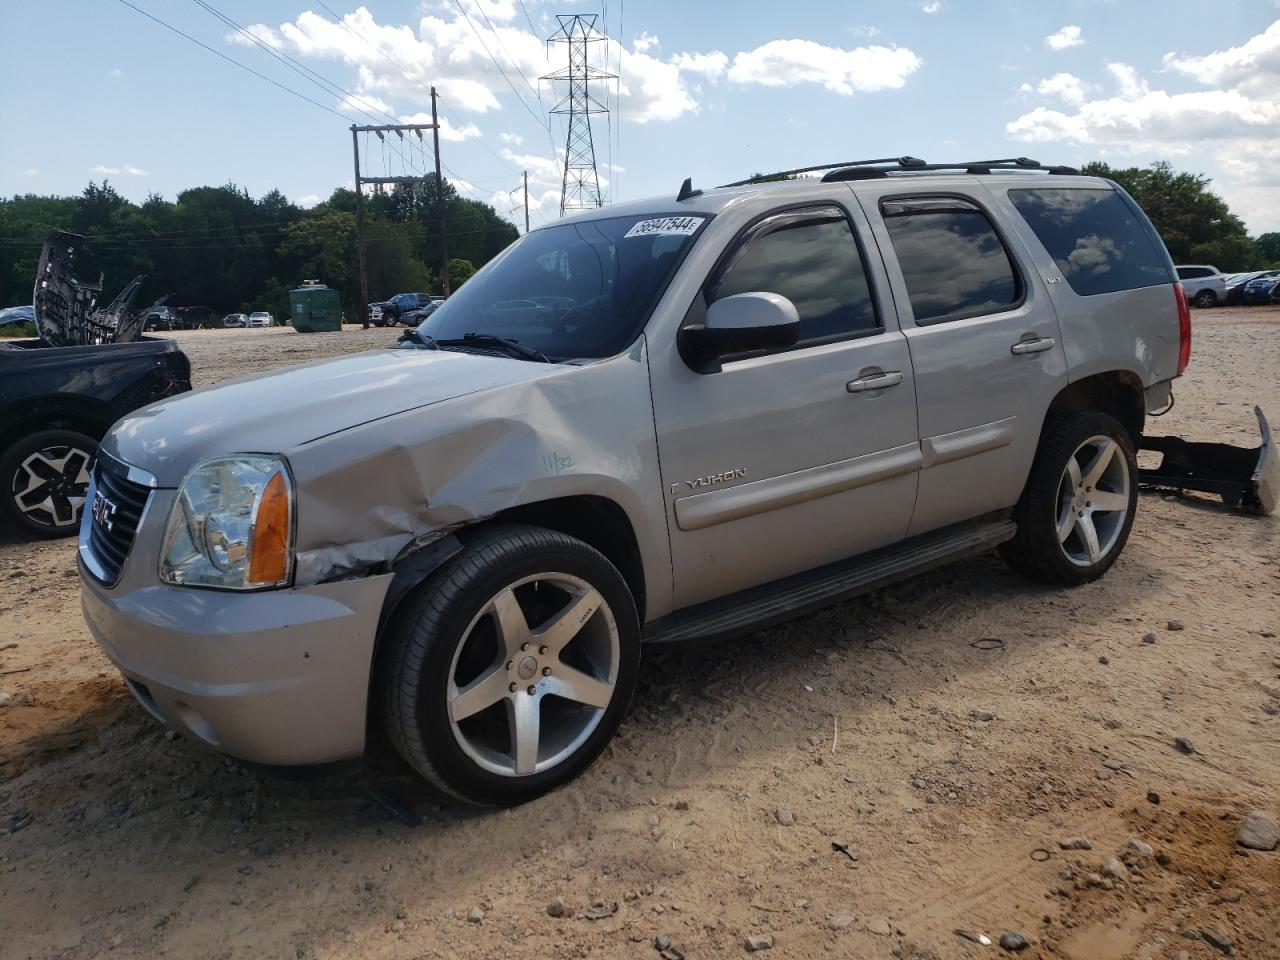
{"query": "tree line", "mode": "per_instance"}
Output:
(222, 249)
(219, 248)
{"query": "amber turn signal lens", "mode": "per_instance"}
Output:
(269, 556)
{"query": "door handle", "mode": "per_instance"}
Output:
(879, 381)
(1033, 346)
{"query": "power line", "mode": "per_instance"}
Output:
(242, 66)
(514, 65)
(324, 83)
(476, 31)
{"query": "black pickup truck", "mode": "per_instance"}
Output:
(55, 405)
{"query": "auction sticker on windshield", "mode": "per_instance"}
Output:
(665, 227)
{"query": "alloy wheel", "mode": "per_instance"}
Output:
(50, 486)
(533, 674)
(1093, 500)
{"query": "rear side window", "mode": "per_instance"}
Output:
(953, 261)
(1193, 273)
(1094, 237)
(810, 257)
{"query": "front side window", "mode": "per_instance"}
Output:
(573, 290)
(954, 263)
(1095, 238)
(810, 257)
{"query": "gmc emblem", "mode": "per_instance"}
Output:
(104, 511)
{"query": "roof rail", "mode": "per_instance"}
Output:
(903, 162)
(866, 172)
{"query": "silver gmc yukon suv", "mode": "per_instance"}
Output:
(683, 417)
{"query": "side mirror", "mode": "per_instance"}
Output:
(743, 323)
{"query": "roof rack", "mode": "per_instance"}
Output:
(870, 172)
(902, 162)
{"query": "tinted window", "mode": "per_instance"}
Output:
(572, 290)
(1095, 238)
(951, 257)
(1193, 273)
(811, 258)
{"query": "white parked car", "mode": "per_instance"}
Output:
(260, 318)
(1205, 286)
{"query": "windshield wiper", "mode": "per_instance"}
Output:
(512, 347)
(415, 338)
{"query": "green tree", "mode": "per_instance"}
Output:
(1269, 247)
(460, 272)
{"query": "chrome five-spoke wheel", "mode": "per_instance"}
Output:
(1093, 500)
(533, 675)
(506, 672)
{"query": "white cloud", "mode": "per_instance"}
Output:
(1235, 121)
(308, 200)
(512, 138)
(393, 66)
(1069, 36)
(712, 64)
(786, 63)
(123, 169)
(30, 172)
(933, 6)
(866, 32)
(1253, 67)
(1131, 85)
(1070, 88)
(115, 73)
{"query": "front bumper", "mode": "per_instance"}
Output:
(279, 677)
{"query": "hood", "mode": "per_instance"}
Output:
(271, 412)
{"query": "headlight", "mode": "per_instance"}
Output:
(232, 526)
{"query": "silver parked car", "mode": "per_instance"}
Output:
(683, 417)
(1205, 286)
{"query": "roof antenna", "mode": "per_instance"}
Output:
(686, 191)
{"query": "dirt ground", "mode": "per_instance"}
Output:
(951, 731)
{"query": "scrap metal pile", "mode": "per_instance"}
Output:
(68, 284)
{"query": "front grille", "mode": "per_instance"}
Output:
(114, 523)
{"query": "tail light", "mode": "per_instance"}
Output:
(1184, 328)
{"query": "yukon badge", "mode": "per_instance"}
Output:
(711, 479)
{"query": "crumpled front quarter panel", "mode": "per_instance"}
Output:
(367, 494)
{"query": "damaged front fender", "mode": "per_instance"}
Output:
(373, 494)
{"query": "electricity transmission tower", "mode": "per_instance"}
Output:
(581, 185)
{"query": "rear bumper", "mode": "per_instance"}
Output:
(279, 677)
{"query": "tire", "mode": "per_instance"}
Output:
(454, 691)
(1205, 299)
(1052, 501)
(56, 463)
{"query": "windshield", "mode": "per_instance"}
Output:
(576, 290)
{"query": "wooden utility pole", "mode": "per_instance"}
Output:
(526, 201)
(444, 240)
(406, 181)
(364, 276)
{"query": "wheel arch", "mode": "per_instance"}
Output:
(597, 521)
(53, 413)
(1118, 393)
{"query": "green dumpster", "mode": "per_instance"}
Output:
(313, 307)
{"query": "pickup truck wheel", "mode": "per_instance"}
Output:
(1205, 299)
(1078, 506)
(45, 477)
(512, 667)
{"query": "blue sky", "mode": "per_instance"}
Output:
(715, 91)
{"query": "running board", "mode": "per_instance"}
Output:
(759, 607)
